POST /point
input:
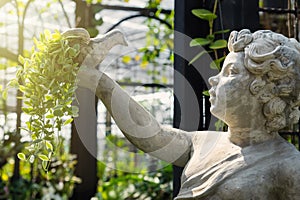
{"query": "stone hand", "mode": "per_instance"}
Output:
(92, 52)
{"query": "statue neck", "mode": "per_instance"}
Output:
(246, 136)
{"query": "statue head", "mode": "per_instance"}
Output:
(274, 62)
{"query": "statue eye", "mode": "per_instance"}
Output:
(232, 70)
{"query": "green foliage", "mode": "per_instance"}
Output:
(153, 185)
(3, 96)
(155, 56)
(8, 145)
(154, 3)
(100, 1)
(204, 14)
(155, 49)
(115, 182)
(57, 183)
(213, 46)
(220, 126)
(210, 39)
(93, 1)
(48, 81)
(33, 182)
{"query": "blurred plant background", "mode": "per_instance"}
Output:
(144, 69)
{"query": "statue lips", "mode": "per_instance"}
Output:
(212, 95)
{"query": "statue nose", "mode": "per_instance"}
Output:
(213, 80)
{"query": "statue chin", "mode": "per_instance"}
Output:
(218, 112)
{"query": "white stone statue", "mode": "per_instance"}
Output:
(256, 94)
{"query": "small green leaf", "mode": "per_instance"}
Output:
(222, 31)
(219, 125)
(58, 113)
(216, 64)
(72, 52)
(76, 47)
(50, 116)
(204, 14)
(58, 107)
(47, 33)
(28, 123)
(21, 156)
(48, 97)
(221, 59)
(4, 94)
(218, 44)
(68, 121)
(22, 88)
(210, 37)
(37, 141)
(49, 145)
(21, 59)
(98, 22)
(27, 110)
(56, 35)
(206, 93)
(43, 157)
(197, 57)
(199, 42)
(13, 83)
(45, 165)
(126, 59)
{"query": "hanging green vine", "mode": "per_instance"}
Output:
(48, 82)
(213, 45)
(210, 40)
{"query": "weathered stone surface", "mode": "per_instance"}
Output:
(257, 93)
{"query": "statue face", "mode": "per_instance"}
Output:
(230, 96)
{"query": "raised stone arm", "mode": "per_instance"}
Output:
(140, 127)
(137, 124)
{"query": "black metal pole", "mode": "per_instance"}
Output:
(190, 27)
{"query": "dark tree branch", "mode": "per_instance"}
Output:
(65, 13)
(5, 53)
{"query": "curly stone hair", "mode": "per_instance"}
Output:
(274, 60)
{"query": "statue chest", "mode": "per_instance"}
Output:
(226, 172)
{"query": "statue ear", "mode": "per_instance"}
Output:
(231, 40)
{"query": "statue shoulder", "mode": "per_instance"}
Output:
(288, 169)
(209, 137)
(291, 164)
(288, 174)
